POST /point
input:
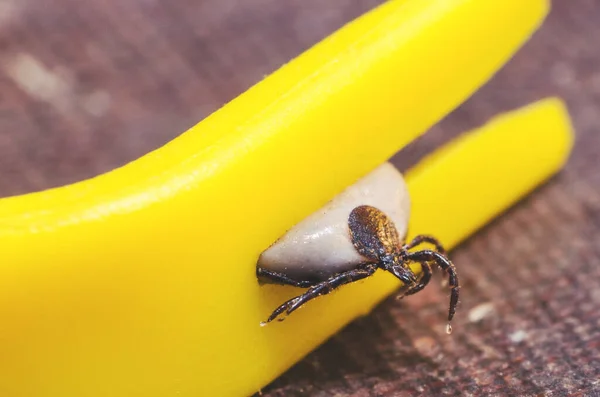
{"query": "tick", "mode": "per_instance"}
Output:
(360, 231)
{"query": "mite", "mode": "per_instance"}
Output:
(358, 232)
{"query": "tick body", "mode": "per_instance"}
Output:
(360, 231)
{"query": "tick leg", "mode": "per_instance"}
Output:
(280, 278)
(323, 288)
(424, 238)
(447, 266)
(425, 278)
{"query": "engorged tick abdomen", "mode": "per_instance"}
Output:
(321, 245)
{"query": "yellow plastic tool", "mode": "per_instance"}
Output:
(141, 282)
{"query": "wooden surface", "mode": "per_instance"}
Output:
(86, 86)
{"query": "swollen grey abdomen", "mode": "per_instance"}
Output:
(320, 245)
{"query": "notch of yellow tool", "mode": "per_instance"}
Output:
(141, 282)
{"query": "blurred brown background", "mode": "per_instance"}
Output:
(86, 86)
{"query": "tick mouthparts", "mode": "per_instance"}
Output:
(404, 275)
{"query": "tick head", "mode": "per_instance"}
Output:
(403, 273)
